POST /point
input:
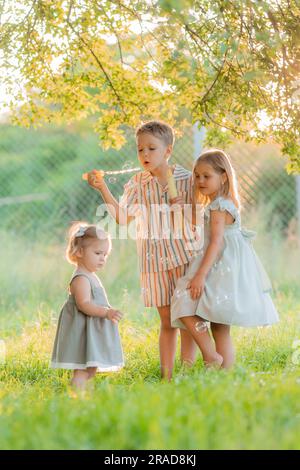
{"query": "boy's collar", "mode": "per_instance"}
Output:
(180, 173)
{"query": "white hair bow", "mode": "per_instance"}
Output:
(81, 231)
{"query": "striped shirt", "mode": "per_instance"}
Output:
(163, 240)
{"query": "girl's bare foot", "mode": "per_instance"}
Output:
(214, 362)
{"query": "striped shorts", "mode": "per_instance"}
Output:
(158, 287)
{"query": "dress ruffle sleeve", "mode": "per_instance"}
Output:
(222, 204)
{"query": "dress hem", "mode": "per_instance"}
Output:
(100, 367)
(174, 322)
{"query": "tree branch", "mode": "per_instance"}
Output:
(218, 124)
(100, 66)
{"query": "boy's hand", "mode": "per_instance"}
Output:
(196, 286)
(95, 179)
(114, 315)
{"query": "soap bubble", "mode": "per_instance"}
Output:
(201, 326)
(181, 293)
(214, 267)
(132, 184)
(164, 260)
(225, 271)
(112, 180)
(126, 166)
(223, 299)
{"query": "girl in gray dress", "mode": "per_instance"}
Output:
(225, 283)
(87, 337)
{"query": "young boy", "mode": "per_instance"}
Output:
(163, 258)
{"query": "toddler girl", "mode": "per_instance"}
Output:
(87, 338)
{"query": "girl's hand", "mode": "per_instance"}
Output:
(96, 179)
(196, 286)
(177, 201)
(114, 315)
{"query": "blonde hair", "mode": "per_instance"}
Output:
(80, 235)
(220, 162)
(159, 129)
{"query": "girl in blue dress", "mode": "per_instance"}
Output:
(226, 283)
(87, 338)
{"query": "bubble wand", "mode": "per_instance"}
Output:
(170, 178)
(101, 173)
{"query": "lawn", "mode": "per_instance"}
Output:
(254, 406)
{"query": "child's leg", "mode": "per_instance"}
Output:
(199, 332)
(79, 379)
(224, 345)
(188, 348)
(167, 342)
(91, 371)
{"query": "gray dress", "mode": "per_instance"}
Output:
(237, 287)
(83, 341)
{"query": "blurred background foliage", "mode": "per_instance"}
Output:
(41, 189)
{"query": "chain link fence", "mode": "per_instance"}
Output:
(41, 189)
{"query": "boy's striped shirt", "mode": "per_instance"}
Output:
(159, 247)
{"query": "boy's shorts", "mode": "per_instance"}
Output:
(158, 287)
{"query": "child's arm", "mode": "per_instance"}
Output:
(193, 216)
(197, 214)
(96, 180)
(81, 289)
(217, 226)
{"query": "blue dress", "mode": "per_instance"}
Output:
(237, 288)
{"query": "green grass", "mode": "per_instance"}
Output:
(254, 406)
